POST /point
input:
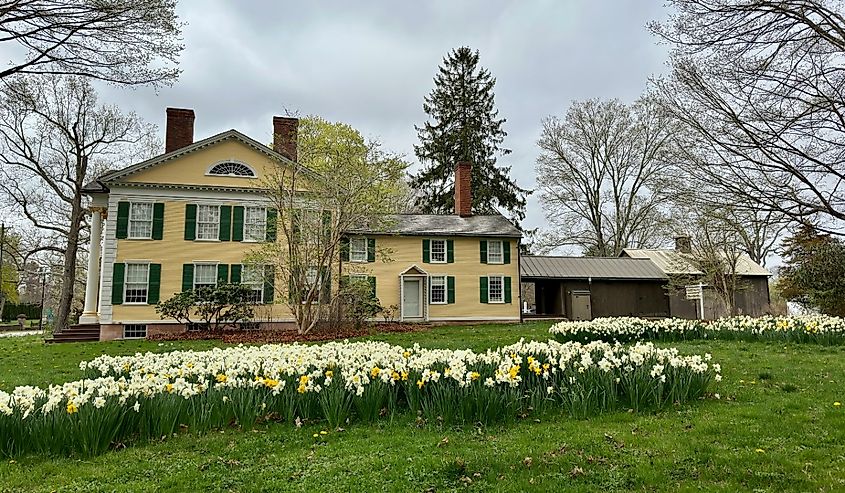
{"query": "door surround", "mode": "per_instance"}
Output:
(414, 273)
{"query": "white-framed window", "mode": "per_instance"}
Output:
(438, 251)
(313, 280)
(252, 276)
(495, 252)
(438, 290)
(495, 289)
(136, 284)
(255, 223)
(357, 249)
(205, 275)
(312, 276)
(232, 169)
(140, 220)
(134, 331)
(208, 222)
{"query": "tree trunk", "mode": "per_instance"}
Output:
(69, 269)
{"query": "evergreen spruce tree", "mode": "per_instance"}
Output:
(464, 125)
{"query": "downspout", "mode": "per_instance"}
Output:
(519, 277)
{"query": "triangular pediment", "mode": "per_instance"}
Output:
(413, 270)
(199, 164)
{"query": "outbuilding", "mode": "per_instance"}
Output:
(639, 283)
(583, 288)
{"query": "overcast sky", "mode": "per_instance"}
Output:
(371, 63)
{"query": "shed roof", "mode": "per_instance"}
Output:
(678, 263)
(589, 267)
(445, 225)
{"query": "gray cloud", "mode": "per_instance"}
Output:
(371, 63)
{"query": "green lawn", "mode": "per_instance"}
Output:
(774, 429)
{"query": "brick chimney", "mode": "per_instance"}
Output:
(683, 244)
(284, 136)
(463, 189)
(180, 129)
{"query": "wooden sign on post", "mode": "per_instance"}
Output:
(696, 292)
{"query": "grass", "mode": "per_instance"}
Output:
(774, 429)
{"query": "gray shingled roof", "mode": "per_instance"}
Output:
(445, 225)
(588, 267)
(675, 262)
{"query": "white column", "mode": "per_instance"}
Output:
(92, 284)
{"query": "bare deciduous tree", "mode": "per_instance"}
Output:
(760, 86)
(605, 176)
(119, 41)
(758, 231)
(715, 251)
(54, 138)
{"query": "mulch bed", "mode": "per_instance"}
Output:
(288, 336)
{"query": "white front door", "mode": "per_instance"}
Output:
(411, 299)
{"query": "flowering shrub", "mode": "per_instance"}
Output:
(154, 395)
(819, 329)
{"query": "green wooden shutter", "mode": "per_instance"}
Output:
(187, 277)
(426, 251)
(450, 289)
(269, 283)
(222, 273)
(483, 251)
(158, 221)
(272, 216)
(154, 284)
(225, 231)
(294, 225)
(506, 251)
(122, 220)
(325, 286)
(292, 286)
(327, 225)
(117, 283)
(507, 289)
(344, 281)
(372, 280)
(235, 273)
(450, 251)
(191, 222)
(344, 249)
(371, 249)
(238, 223)
(483, 283)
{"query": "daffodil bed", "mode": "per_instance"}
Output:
(819, 329)
(153, 395)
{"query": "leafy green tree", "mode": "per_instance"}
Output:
(464, 125)
(813, 274)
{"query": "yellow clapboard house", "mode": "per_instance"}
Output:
(189, 217)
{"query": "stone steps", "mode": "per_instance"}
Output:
(77, 333)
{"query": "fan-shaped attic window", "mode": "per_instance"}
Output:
(231, 169)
